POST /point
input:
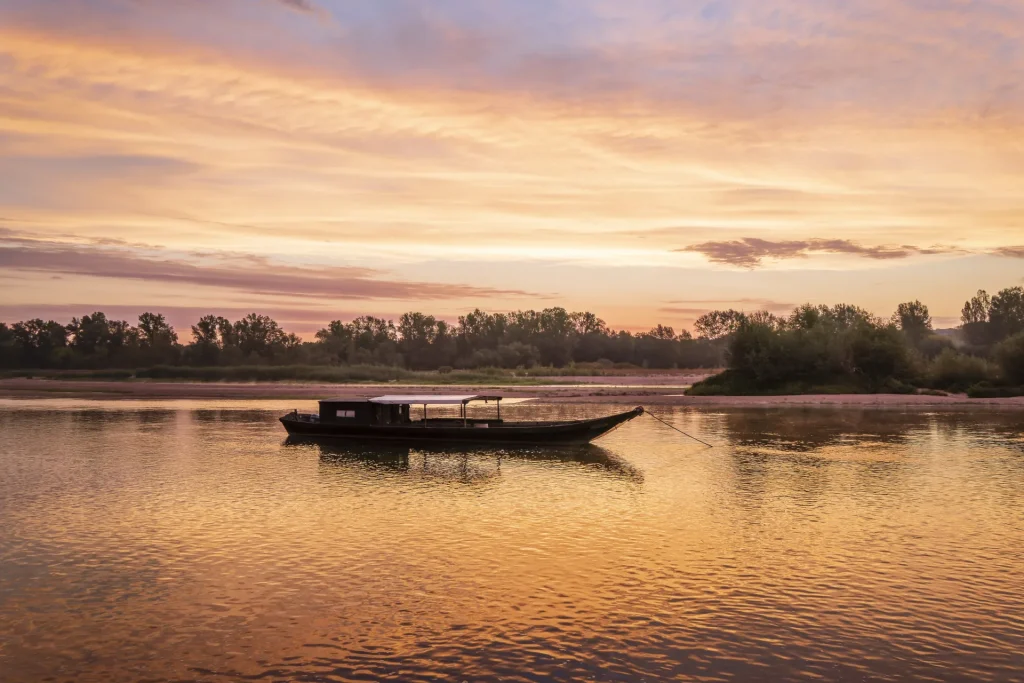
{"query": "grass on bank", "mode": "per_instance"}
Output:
(353, 374)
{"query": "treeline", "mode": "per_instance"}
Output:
(815, 348)
(844, 348)
(552, 337)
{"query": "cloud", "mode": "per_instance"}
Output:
(409, 132)
(300, 5)
(749, 252)
(698, 306)
(251, 274)
(1010, 252)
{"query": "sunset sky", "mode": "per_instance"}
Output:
(646, 160)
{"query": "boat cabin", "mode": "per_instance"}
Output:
(397, 410)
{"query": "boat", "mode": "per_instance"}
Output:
(389, 418)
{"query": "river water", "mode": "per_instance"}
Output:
(188, 541)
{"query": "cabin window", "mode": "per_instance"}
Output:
(346, 413)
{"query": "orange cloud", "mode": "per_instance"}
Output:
(599, 134)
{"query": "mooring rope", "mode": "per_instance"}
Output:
(677, 429)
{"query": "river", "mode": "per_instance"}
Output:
(189, 541)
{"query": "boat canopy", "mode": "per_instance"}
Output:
(432, 399)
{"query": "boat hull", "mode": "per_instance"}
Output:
(574, 432)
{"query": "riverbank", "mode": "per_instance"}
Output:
(664, 390)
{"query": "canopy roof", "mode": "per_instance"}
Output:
(435, 399)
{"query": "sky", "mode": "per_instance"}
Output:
(646, 160)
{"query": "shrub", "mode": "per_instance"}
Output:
(986, 390)
(933, 345)
(956, 372)
(880, 354)
(1009, 356)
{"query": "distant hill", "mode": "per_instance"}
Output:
(951, 332)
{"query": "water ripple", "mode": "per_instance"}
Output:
(192, 542)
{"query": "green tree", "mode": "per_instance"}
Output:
(90, 333)
(718, 324)
(913, 318)
(974, 319)
(1009, 356)
(8, 350)
(976, 308)
(338, 341)
(35, 342)
(1006, 313)
(258, 336)
(154, 332)
(208, 339)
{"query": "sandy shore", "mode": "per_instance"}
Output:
(640, 390)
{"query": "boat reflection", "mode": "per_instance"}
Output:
(465, 463)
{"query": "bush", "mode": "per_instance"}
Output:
(954, 371)
(987, 390)
(934, 345)
(881, 356)
(1009, 355)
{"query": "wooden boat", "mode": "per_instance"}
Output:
(388, 418)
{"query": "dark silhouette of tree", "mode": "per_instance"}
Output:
(154, 332)
(718, 324)
(1006, 313)
(976, 309)
(258, 336)
(913, 318)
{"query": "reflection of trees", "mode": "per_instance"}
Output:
(806, 430)
(799, 457)
(807, 456)
(233, 415)
(99, 419)
(468, 463)
(996, 426)
(811, 429)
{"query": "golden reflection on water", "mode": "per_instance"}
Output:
(192, 541)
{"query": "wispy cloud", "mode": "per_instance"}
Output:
(252, 275)
(1011, 252)
(698, 306)
(407, 132)
(301, 5)
(750, 252)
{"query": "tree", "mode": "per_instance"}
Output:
(661, 332)
(418, 334)
(338, 340)
(913, 318)
(258, 336)
(90, 334)
(765, 318)
(8, 350)
(840, 316)
(121, 335)
(1006, 313)
(36, 341)
(479, 330)
(974, 318)
(154, 332)
(587, 323)
(1009, 356)
(555, 336)
(208, 339)
(718, 324)
(976, 309)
